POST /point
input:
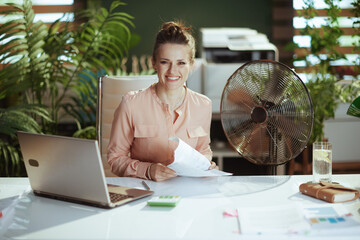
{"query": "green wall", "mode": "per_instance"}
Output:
(150, 14)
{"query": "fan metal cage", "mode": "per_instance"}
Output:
(266, 112)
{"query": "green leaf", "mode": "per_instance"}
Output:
(116, 4)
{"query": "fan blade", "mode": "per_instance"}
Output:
(296, 129)
(235, 115)
(255, 146)
(235, 128)
(239, 98)
(258, 144)
(275, 84)
(281, 148)
(237, 132)
(291, 138)
(293, 122)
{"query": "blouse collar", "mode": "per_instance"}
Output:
(158, 100)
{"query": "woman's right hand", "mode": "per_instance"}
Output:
(160, 172)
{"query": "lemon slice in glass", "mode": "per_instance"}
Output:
(322, 155)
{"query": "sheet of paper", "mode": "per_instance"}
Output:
(316, 220)
(190, 163)
(331, 217)
(189, 171)
(283, 219)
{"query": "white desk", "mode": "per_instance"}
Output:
(199, 215)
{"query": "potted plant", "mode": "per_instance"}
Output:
(13, 119)
(324, 81)
(45, 69)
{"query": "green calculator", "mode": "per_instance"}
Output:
(164, 201)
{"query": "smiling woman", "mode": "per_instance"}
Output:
(139, 142)
(173, 66)
(173, 59)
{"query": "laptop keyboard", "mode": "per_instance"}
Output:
(116, 197)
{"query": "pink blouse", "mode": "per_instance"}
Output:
(143, 124)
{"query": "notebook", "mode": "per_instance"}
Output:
(71, 169)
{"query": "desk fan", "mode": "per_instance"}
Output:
(266, 113)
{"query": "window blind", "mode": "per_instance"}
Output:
(350, 39)
(48, 11)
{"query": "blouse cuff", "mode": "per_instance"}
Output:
(142, 171)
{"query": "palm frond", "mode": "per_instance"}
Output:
(23, 40)
(21, 118)
(87, 133)
(83, 106)
(12, 164)
(13, 119)
(98, 37)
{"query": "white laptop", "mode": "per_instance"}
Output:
(71, 169)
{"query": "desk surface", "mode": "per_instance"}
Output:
(199, 215)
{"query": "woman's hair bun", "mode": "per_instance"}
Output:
(174, 32)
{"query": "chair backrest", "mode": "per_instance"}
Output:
(109, 94)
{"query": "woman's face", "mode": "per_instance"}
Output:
(173, 65)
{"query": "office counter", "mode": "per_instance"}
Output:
(199, 215)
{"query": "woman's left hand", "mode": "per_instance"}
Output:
(213, 166)
(160, 172)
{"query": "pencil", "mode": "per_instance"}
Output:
(146, 186)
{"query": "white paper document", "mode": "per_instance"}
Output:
(313, 220)
(190, 163)
(334, 218)
(283, 219)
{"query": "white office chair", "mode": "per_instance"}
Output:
(109, 94)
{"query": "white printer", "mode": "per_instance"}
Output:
(222, 51)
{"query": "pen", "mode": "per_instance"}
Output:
(146, 186)
(238, 220)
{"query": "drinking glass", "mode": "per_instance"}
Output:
(322, 162)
